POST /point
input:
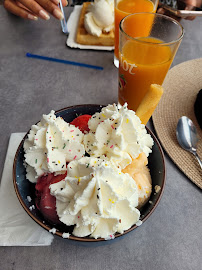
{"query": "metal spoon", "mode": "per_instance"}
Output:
(187, 136)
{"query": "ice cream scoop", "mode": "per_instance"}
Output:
(100, 17)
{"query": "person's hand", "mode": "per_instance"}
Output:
(190, 4)
(162, 11)
(32, 9)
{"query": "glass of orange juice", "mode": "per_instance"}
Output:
(148, 44)
(122, 8)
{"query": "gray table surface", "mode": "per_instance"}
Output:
(171, 237)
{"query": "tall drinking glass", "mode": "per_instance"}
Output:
(146, 52)
(122, 8)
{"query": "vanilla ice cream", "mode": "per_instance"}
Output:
(100, 17)
(97, 198)
(118, 135)
(50, 144)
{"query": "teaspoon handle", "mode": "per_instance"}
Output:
(197, 157)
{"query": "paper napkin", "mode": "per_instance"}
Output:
(16, 227)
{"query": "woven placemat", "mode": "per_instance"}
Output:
(181, 86)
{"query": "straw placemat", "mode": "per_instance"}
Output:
(181, 86)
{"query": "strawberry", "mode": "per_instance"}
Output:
(45, 202)
(82, 122)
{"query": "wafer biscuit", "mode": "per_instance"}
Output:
(149, 103)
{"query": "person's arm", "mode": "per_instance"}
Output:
(32, 9)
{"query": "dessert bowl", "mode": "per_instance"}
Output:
(25, 190)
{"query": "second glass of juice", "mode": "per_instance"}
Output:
(122, 8)
(146, 52)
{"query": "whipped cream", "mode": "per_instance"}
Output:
(50, 144)
(100, 17)
(101, 194)
(118, 135)
(96, 197)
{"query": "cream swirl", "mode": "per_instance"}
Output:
(118, 135)
(49, 145)
(97, 198)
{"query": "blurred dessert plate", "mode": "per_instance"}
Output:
(72, 25)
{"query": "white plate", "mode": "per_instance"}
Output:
(72, 28)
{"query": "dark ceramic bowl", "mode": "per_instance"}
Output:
(24, 188)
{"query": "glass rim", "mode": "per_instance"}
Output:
(153, 43)
(155, 5)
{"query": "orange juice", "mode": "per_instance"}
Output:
(140, 65)
(126, 7)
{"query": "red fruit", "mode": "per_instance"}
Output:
(82, 122)
(45, 202)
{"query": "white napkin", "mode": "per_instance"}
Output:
(16, 227)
